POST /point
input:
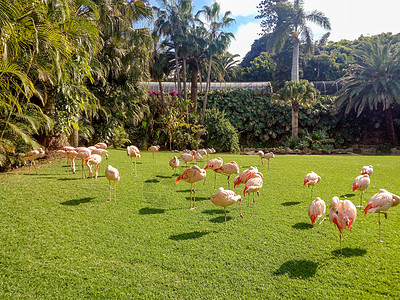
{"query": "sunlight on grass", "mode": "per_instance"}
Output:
(60, 238)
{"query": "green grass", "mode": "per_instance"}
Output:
(60, 238)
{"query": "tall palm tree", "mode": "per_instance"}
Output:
(373, 81)
(218, 40)
(285, 19)
(301, 93)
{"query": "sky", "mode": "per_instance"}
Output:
(349, 19)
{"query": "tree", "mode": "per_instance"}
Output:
(284, 19)
(301, 93)
(373, 81)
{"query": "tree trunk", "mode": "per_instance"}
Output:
(390, 126)
(162, 94)
(193, 89)
(295, 120)
(295, 61)
(74, 138)
(184, 78)
(203, 111)
(178, 77)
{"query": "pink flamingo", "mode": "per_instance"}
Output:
(342, 214)
(260, 153)
(133, 151)
(198, 157)
(268, 156)
(367, 170)
(100, 152)
(311, 179)
(228, 169)
(316, 210)
(101, 145)
(226, 198)
(186, 157)
(361, 183)
(66, 152)
(253, 185)
(174, 163)
(214, 164)
(381, 202)
(154, 149)
(32, 156)
(192, 175)
(93, 159)
(83, 153)
(245, 176)
(112, 174)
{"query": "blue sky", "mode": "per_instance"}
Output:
(349, 19)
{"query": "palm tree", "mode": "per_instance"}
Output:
(218, 40)
(286, 19)
(301, 93)
(373, 81)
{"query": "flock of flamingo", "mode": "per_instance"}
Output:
(342, 213)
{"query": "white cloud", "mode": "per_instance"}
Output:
(244, 38)
(240, 8)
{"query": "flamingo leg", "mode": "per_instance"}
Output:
(215, 181)
(379, 222)
(194, 196)
(241, 215)
(229, 184)
(341, 254)
(262, 163)
(109, 185)
(254, 204)
(83, 170)
(191, 189)
(131, 166)
(248, 197)
(115, 191)
(135, 168)
(225, 217)
(312, 189)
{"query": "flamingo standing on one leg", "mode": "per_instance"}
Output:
(228, 169)
(260, 153)
(133, 151)
(226, 198)
(192, 175)
(367, 170)
(154, 149)
(342, 214)
(112, 174)
(32, 156)
(198, 157)
(186, 157)
(361, 183)
(381, 202)
(214, 164)
(174, 163)
(268, 156)
(316, 210)
(93, 159)
(311, 179)
(253, 185)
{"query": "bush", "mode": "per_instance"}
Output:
(220, 133)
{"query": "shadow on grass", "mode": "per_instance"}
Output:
(213, 211)
(302, 226)
(73, 178)
(161, 176)
(188, 235)
(151, 211)
(350, 252)
(220, 219)
(301, 269)
(199, 198)
(75, 202)
(152, 181)
(291, 203)
(183, 191)
(347, 195)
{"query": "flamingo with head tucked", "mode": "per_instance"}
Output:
(311, 179)
(186, 157)
(192, 175)
(174, 163)
(112, 174)
(361, 183)
(260, 153)
(154, 149)
(381, 202)
(101, 145)
(316, 210)
(226, 198)
(245, 176)
(133, 151)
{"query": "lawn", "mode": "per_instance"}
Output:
(60, 238)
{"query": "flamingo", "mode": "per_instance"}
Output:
(133, 151)
(253, 185)
(316, 210)
(101, 145)
(32, 156)
(65, 151)
(245, 176)
(367, 170)
(311, 179)
(209, 152)
(381, 202)
(83, 153)
(93, 159)
(112, 174)
(268, 156)
(361, 183)
(228, 169)
(260, 153)
(226, 198)
(214, 164)
(154, 149)
(342, 213)
(192, 175)
(198, 157)
(100, 151)
(174, 163)
(186, 157)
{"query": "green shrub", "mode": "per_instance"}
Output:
(220, 133)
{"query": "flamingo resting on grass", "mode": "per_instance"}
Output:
(361, 183)
(133, 151)
(316, 210)
(381, 202)
(192, 175)
(311, 179)
(112, 174)
(342, 213)
(226, 198)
